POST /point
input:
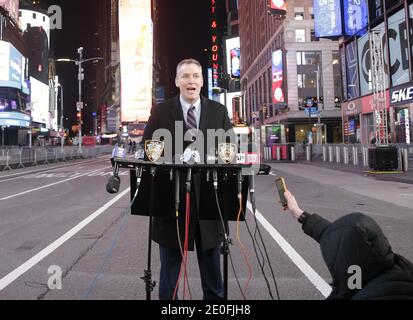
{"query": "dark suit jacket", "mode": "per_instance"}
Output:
(163, 116)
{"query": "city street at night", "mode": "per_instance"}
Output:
(269, 141)
(63, 218)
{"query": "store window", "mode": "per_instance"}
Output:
(376, 9)
(299, 13)
(403, 126)
(337, 74)
(313, 37)
(308, 57)
(300, 35)
(367, 128)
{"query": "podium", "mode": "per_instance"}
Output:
(148, 177)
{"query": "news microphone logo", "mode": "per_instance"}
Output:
(154, 149)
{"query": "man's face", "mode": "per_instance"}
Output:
(189, 80)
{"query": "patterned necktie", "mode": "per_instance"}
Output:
(191, 120)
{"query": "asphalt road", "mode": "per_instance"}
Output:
(63, 237)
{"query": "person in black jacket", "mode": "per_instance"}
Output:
(358, 256)
(197, 113)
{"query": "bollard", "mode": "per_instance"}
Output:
(308, 151)
(355, 156)
(405, 160)
(365, 157)
(330, 154)
(278, 153)
(345, 154)
(292, 153)
(324, 153)
(338, 155)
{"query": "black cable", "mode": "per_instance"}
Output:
(225, 234)
(266, 254)
(115, 237)
(258, 259)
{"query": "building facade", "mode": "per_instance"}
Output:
(15, 121)
(393, 19)
(305, 111)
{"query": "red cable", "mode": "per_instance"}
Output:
(185, 261)
(185, 256)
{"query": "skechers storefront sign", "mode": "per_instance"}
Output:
(401, 95)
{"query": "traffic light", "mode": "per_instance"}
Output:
(79, 117)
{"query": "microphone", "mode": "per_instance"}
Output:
(113, 184)
(252, 192)
(176, 191)
(188, 180)
(239, 178)
(215, 178)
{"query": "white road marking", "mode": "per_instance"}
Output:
(23, 174)
(305, 268)
(46, 186)
(16, 273)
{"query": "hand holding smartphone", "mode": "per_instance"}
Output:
(281, 187)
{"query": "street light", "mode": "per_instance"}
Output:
(62, 127)
(319, 138)
(79, 63)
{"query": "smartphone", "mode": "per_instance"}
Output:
(280, 183)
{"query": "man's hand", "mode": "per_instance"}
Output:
(295, 210)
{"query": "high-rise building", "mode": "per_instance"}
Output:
(280, 65)
(107, 118)
(14, 120)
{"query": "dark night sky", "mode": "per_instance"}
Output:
(183, 29)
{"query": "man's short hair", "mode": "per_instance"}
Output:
(188, 61)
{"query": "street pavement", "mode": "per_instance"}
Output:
(58, 223)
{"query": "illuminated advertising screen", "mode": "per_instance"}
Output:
(355, 16)
(11, 69)
(277, 77)
(14, 119)
(278, 7)
(353, 84)
(327, 18)
(40, 101)
(136, 56)
(12, 6)
(233, 57)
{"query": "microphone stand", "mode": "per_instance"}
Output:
(147, 278)
(226, 242)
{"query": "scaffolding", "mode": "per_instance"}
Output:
(379, 89)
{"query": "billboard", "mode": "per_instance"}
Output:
(40, 101)
(233, 54)
(399, 56)
(12, 6)
(14, 119)
(11, 66)
(277, 77)
(327, 18)
(355, 16)
(353, 84)
(136, 56)
(278, 7)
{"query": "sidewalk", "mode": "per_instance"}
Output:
(404, 177)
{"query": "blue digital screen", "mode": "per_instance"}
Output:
(355, 16)
(327, 18)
